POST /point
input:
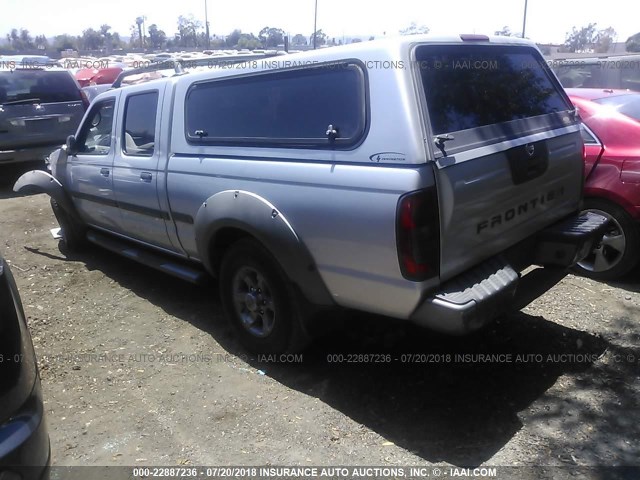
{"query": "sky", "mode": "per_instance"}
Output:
(548, 21)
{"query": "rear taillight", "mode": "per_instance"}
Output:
(85, 99)
(418, 235)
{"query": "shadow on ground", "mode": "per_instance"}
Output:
(444, 399)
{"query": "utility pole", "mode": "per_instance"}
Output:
(206, 25)
(524, 21)
(315, 25)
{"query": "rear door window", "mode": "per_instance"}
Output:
(140, 124)
(475, 86)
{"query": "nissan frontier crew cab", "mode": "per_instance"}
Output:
(414, 178)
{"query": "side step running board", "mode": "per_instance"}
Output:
(151, 259)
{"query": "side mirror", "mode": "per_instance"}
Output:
(72, 146)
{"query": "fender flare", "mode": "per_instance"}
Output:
(254, 215)
(38, 181)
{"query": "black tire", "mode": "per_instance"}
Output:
(73, 234)
(618, 251)
(261, 305)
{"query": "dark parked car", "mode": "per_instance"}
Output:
(39, 108)
(24, 441)
(611, 134)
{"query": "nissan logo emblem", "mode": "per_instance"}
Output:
(530, 148)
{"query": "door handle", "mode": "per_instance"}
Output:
(145, 176)
(104, 172)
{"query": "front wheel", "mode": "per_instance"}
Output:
(261, 306)
(618, 251)
(73, 235)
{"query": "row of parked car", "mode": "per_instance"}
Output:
(279, 207)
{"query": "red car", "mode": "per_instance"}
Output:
(97, 76)
(611, 132)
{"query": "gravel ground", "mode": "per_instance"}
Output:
(139, 368)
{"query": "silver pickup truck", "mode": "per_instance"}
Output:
(414, 178)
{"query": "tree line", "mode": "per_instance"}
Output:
(588, 39)
(189, 34)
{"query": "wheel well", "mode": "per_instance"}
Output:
(615, 201)
(221, 242)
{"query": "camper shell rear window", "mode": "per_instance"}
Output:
(472, 86)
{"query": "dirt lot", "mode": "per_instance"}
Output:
(139, 368)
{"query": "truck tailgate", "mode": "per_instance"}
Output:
(484, 210)
(506, 145)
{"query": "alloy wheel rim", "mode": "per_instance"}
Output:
(253, 301)
(610, 249)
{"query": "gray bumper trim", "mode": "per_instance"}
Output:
(468, 301)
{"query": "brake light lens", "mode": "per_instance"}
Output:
(418, 235)
(472, 37)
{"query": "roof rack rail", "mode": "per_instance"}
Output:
(151, 68)
(179, 65)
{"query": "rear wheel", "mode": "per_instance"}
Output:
(261, 305)
(618, 251)
(73, 234)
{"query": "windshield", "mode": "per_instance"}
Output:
(41, 86)
(628, 105)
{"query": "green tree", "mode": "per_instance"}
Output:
(248, 40)
(188, 28)
(91, 40)
(271, 37)
(134, 36)
(298, 40)
(218, 43)
(109, 40)
(157, 37)
(13, 38)
(65, 42)
(581, 40)
(633, 43)
(41, 42)
(589, 38)
(20, 40)
(233, 38)
(414, 29)
(604, 39)
(320, 36)
(116, 41)
(26, 39)
(139, 22)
